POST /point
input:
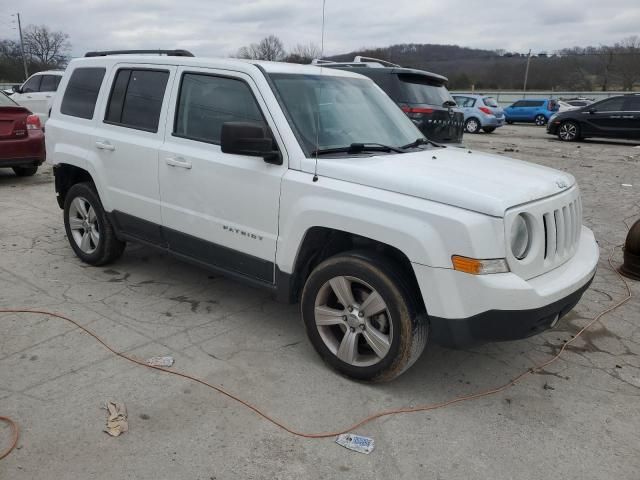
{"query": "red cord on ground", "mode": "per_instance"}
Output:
(383, 413)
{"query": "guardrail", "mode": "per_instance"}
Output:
(506, 97)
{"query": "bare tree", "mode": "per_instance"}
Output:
(627, 61)
(303, 53)
(48, 48)
(269, 48)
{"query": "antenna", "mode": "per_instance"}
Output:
(315, 168)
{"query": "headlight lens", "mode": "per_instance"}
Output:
(520, 237)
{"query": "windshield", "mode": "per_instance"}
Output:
(6, 101)
(335, 112)
(421, 89)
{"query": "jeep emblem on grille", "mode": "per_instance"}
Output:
(561, 183)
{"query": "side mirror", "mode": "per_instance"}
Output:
(244, 138)
(16, 89)
(449, 104)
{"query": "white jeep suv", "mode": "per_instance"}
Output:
(312, 183)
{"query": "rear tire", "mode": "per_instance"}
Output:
(25, 171)
(379, 333)
(472, 125)
(569, 131)
(540, 120)
(489, 129)
(89, 231)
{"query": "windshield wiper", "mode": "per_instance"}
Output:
(358, 148)
(420, 141)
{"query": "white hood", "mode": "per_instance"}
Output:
(484, 183)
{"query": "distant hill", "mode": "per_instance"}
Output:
(590, 68)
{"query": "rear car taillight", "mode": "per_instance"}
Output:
(485, 110)
(416, 112)
(33, 123)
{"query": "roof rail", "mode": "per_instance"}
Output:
(170, 53)
(319, 61)
(360, 59)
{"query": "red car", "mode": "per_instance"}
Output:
(21, 138)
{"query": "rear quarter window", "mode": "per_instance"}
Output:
(490, 102)
(82, 92)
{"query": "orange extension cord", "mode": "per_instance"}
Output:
(383, 413)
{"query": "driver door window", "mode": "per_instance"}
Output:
(206, 102)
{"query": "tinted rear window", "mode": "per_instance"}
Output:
(632, 104)
(82, 92)
(50, 83)
(490, 102)
(136, 99)
(419, 89)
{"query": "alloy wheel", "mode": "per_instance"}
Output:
(540, 120)
(472, 126)
(83, 223)
(353, 321)
(568, 131)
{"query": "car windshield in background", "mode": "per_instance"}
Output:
(6, 101)
(490, 102)
(420, 89)
(346, 110)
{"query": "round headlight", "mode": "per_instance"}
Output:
(520, 238)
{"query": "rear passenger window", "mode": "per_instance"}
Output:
(206, 102)
(632, 104)
(82, 92)
(49, 83)
(136, 99)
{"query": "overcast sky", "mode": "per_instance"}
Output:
(219, 27)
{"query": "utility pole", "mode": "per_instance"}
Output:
(24, 59)
(526, 75)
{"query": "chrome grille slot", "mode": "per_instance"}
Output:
(562, 230)
(556, 223)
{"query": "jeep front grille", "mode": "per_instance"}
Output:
(562, 230)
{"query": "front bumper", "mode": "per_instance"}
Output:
(552, 127)
(465, 309)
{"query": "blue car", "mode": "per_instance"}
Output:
(480, 113)
(532, 111)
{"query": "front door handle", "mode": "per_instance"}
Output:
(104, 145)
(178, 162)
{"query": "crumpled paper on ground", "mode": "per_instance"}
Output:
(165, 361)
(117, 421)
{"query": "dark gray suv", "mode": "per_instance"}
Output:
(423, 96)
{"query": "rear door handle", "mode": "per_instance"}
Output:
(104, 145)
(178, 162)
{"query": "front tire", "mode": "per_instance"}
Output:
(540, 120)
(569, 131)
(472, 125)
(361, 318)
(89, 231)
(25, 171)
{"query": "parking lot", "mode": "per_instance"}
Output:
(579, 418)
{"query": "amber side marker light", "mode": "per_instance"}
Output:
(631, 266)
(475, 266)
